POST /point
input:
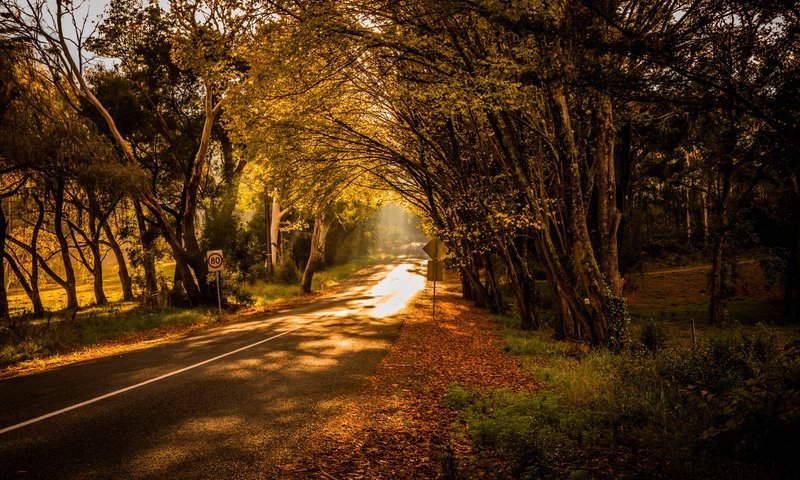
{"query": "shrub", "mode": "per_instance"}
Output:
(287, 273)
(759, 420)
(653, 337)
(457, 397)
(233, 292)
(523, 427)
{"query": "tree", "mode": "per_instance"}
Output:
(203, 35)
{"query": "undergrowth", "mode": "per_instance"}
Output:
(727, 408)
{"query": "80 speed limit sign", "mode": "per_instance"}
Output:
(214, 260)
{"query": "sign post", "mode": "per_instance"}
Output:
(215, 261)
(437, 251)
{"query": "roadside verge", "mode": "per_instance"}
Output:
(398, 427)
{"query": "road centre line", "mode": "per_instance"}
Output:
(141, 384)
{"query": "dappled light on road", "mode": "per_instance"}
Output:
(240, 397)
(396, 290)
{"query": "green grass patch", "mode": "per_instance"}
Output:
(266, 293)
(729, 407)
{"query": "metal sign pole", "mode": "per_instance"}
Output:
(436, 254)
(435, 274)
(219, 299)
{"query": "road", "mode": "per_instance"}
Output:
(235, 402)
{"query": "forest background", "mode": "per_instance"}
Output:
(559, 149)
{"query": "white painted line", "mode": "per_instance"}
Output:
(146, 382)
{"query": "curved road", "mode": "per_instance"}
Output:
(234, 402)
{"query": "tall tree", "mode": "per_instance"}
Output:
(204, 36)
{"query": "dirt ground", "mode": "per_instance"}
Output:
(689, 286)
(398, 428)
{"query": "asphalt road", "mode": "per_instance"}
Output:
(234, 402)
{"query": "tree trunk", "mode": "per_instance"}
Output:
(495, 296)
(93, 240)
(34, 295)
(585, 273)
(97, 274)
(466, 286)
(4, 311)
(194, 277)
(796, 266)
(716, 281)
(122, 265)
(724, 177)
(268, 264)
(608, 215)
(30, 283)
(704, 216)
(147, 238)
(521, 284)
(479, 290)
(274, 230)
(321, 226)
(58, 229)
(791, 287)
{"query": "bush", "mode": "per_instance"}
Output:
(758, 421)
(287, 273)
(525, 428)
(457, 397)
(653, 337)
(232, 293)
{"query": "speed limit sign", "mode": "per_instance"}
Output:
(214, 260)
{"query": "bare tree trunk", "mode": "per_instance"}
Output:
(147, 238)
(791, 287)
(4, 311)
(30, 283)
(587, 277)
(321, 226)
(122, 265)
(194, 276)
(97, 274)
(268, 263)
(34, 295)
(495, 297)
(466, 286)
(704, 204)
(721, 225)
(274, 230)
(716, 281)
(608, 215)
(58, 229)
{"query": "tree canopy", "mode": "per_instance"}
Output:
(547, 143)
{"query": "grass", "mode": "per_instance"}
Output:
(726, 407)
(27, 340)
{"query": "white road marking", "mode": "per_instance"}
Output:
(146, 382)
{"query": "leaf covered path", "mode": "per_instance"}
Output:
(398, 427)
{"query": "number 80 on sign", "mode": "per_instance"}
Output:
(214, 260)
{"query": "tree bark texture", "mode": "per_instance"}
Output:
(122, 264)
(3, 293)
(58, 229)
(147, 239)
(318, 236)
